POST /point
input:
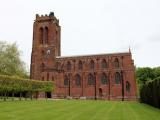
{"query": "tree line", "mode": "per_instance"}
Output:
(9, 86)
(145, 74)
(149, 85)
(150, 92)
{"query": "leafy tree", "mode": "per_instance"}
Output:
(10, 61)
(144, 74)
(156, 72)
(13, 85)
(149, 92)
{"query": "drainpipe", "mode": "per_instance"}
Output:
(109, 88)
(69, 91)
(95, 86)
(122, 85)
(122, 80)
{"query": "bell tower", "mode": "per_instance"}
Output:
(46, 44)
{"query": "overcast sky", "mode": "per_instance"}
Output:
(89, 26)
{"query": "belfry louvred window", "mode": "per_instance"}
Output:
(41, 35)
(46, 35)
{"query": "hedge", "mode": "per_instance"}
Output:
(13, 85)
(150, 93)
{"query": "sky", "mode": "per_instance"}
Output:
(88, 26)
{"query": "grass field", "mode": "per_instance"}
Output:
(76, 110)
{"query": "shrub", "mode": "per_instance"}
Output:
(10, 84)
(150, 92)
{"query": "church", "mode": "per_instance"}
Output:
(109, 76)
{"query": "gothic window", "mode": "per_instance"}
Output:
(128, 86)
(117, 78)
(69, 66)
(80, 66)
(46, 35)
(116, 63)
(66, 81)
(104, 79)
(91, 80)
(104, 63)
(78, 80)
(41, 35)
(92, 65)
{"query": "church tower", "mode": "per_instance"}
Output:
(46, 45)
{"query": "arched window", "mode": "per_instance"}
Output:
(104, 63)
(117, 78)
(116, 63)
(42, 67)
(104, 79)
(91, 65)
(91, 80)
(128, 86)
(78, 80)
(66, 80)
(80, 65)
(69, 66)
(41, 35)
(46, 35)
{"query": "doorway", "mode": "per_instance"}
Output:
(100, 92)
(48, 95)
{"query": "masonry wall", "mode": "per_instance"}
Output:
(115, 81)
(111, 90)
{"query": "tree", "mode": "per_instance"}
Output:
(10, 84)
(10, 61)
(156, 72)
(149, 92)
(144, 74)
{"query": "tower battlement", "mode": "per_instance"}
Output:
(45, 17)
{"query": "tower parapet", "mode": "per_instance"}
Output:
(46, 17)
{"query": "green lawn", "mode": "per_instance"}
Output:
(76, 110)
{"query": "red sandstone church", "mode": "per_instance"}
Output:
(100, 76)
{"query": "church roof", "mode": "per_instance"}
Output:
(96, 55)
